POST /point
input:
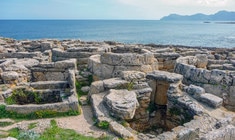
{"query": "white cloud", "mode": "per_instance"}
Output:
(207, 3)
(159, 8)
(213, 3)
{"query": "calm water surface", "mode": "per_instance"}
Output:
(126, 31)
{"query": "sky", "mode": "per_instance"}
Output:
(108, 9)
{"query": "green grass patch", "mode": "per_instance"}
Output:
(15, 132)
(52, 133)
(130, 86)
(79, 86)
(103, 124)
(56, 133)
(35, 115)
(32, 125)
(4, 124)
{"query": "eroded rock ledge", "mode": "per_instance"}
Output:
(142, 91)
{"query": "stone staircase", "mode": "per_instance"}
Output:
(49, 85)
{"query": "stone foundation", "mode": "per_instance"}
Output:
(110, 64)
(217, 82)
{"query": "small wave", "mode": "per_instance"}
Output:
(230, 37)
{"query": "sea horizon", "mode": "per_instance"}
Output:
(130, 31)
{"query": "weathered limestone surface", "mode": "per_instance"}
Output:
(10, 77)
(225, 133)
(70, 104)
(211, 100)
(110, 64)
(121, 103)
(205, 82)
(165, 76)
(132, 75)
(216, 82)
(121, 131)
(195, 91)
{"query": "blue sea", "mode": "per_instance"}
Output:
(188, 33)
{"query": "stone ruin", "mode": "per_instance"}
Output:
(144, 92)
(54, 83)
(121, 58)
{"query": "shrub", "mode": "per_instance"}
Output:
(23, 96)
(103, 124)
(79, 86)
(51, 133)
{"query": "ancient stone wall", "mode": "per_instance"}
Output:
(166, 58)
(67, 105)
(53, 71)
(82, 54)
(109, 65)
(218, 82)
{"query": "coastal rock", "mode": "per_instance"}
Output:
(121, 103)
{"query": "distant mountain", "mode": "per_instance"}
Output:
(219, 16)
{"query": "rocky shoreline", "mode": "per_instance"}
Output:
(156, 92)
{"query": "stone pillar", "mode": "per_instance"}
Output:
(160, 97)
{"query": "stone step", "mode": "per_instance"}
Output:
(50, 85)
(98, 106)
(120, 130)
(211, 100)
(102, 114)
(208, 99)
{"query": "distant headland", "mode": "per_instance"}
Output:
(219, 16)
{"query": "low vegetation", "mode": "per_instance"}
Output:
(4, 124)
(32, 125)
(79, 86)
(103, 124)
(52, 133)
(35, 115)
(23, 96)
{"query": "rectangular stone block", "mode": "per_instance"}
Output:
(211, 100)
